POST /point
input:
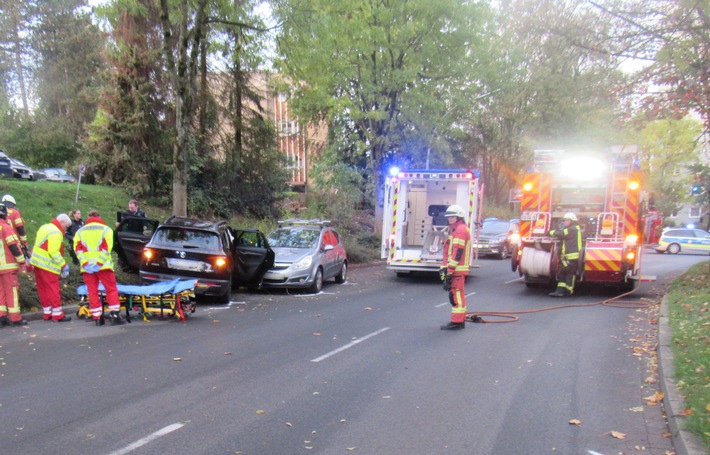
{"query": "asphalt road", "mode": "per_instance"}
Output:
(359, 368)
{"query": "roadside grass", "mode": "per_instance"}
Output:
(689, 314)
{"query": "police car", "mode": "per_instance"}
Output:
(687, 240)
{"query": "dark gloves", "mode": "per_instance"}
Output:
(442, 273)
(447, 282)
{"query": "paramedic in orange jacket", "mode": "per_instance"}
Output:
(49, 264)
(12, 260)
(454, 269)
(93, 244)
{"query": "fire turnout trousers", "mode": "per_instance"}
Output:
(457, 297)
(566, 276)
(49, 296)
(108, 279)
(10, 296)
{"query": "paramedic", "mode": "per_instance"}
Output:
(12, 260)
(454, 268)
(93, 244)
(571, 237)
(48, 263)
(14, 219)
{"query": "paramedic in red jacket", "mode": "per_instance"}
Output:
(454, 269)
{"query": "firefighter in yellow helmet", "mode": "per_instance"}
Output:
(454, 268)
(571, 246)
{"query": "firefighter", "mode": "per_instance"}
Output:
(49, 265)
(93, 244)
(12, 260)
(454, 268)
(14, 219)
(571, 237)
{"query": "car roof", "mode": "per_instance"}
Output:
(180, 221)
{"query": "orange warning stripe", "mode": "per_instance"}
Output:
(603, 259)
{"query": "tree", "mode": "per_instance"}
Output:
(383, 73)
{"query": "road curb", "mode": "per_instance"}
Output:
(684, 441)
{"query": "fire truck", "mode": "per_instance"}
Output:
(604, 193)
(414, 227)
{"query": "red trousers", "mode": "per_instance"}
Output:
(108, 279)
(10, 296)
(457, 297)
(49, 296)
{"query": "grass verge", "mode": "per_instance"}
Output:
(689, 313)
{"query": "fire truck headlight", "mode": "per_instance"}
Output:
(630, 256)
(631, 240)
(527, 186)
(584, 168)
(633, 185)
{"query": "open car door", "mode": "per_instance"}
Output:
(132, 234)
(252, 257)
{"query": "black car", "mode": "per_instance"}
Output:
(5, 166)
(494, 237)
(219, 257)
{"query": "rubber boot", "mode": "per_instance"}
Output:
(4, 321)
(116, 318)
(20, 322)
(100, 321)
(453, 326)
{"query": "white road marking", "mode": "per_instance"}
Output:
(226, 306)
(592, 452)
(143, 441)
(349, 345)
(513, 281)
(311, 295)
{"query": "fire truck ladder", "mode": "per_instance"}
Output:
(619, 193)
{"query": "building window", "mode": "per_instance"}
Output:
(694, 212)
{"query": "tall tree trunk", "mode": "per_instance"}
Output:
(18, 55)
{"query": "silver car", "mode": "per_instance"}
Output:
(307, 253)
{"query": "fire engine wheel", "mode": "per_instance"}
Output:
(673, 248)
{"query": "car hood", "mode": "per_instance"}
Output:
(500, 235)
(290, 254)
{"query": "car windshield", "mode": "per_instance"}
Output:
(495, 227)
(294, 238)
(186, 238)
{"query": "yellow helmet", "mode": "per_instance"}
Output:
(455, 210)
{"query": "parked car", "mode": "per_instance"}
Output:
(21, 171)
(58, 175)
(5, 166)
(308, 252)
(674, 241)
(494, 237)
(218, 256)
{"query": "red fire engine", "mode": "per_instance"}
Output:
(605, 196)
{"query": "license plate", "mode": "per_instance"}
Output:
(273, 276)
(185, 264)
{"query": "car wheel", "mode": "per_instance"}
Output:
(673, 248)
(343, 274)
(503, 252)
(317, 282)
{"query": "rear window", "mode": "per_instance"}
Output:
(186, 238)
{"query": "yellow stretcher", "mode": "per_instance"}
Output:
(168, 299)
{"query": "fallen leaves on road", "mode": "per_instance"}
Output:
(575, 422)
(260, 411)
(686, 412)
(177, 359)
(654, 399)
(618, 435)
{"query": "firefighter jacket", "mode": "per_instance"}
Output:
(11, 255)
(457, 249)
(14, 219)
(93, 244)
(571, 238)
(48, 252)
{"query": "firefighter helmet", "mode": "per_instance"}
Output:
(3, 211)
(455, 210)
(570, 216)
(9, 198)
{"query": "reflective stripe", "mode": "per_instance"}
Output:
(48, 258)
(93, 244)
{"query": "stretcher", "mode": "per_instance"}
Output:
(171, 298)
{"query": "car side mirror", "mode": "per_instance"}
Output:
(328, 247)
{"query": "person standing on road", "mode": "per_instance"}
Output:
(455, 266)
(12, 260)
(571, 239)
(93, 244)
(14, 219)
(49, 265)
(76, 224)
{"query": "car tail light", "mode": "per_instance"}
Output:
(220, 262)
(148, 254)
